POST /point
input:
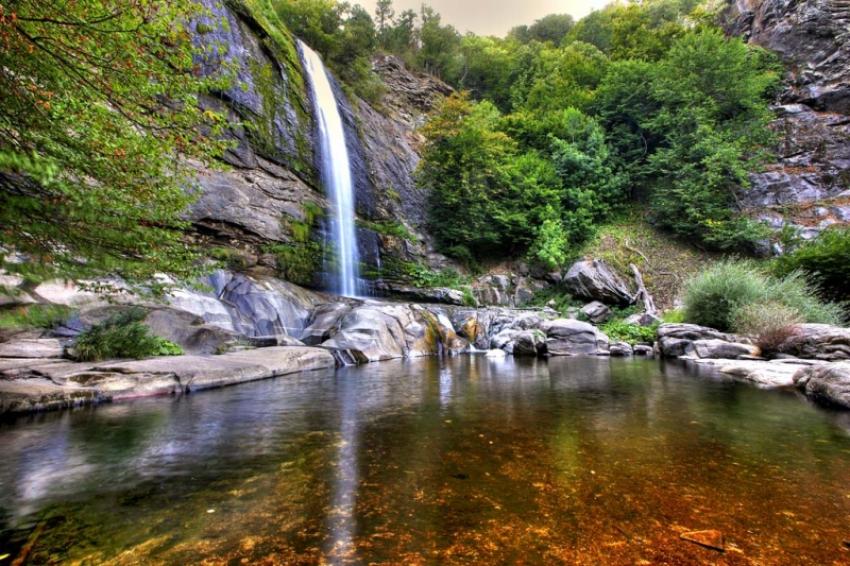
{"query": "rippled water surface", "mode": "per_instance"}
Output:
(457, 461)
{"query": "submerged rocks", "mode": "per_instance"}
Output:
(595, 280)
(826, 383)
(574, 338)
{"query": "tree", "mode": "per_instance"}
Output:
(438, 43)
(713, 120)
(99, 114)
(384, 15)
(552, 28)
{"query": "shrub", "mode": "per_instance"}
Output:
(122, 336)
(620, 331)
(35, 316)
(826, 260)
(714, 297)
(770, 324)
(795, 291)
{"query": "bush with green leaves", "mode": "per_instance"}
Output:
(826, 260)
(769, 323)
(34, 316)
(123, 335)
(621, 331)
(715, 297)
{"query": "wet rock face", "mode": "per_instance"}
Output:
(807, 186)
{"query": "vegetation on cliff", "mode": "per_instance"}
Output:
(98, 109)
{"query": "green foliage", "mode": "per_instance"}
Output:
(770, 323)
(343, 33)
(552, 29)
(466, 168)
(122, 336)
(620, 331)
(825, 260)
(34, 316)
(561, 300)
(715, 297)
(550, 246)
(675, 316)
(98, 102)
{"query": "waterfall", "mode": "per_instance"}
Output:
(335, 170)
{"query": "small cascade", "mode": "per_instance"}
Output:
(336, 172)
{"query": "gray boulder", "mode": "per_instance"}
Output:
(596, 312)
(721, 349)
(324, 323)
(644, 350)
(367, 335)
(529, 343)
(827, 383)
(595, 280)
(675, 340)
(621, 350)
(818, 342)
(574, 338)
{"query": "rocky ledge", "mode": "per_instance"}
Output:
(814, 358)
(39, 384)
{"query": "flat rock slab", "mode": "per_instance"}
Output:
(54, 384)
(32, 348)
(31, 395)
(766, 374)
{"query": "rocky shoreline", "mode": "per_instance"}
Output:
(249, 328)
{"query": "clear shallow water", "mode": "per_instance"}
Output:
(457, 461)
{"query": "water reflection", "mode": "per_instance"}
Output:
(462, 460)
(341, 520)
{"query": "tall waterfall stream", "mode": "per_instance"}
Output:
(335, 170)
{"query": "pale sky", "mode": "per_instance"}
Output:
(494, 17)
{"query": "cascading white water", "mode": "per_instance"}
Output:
(336, 170)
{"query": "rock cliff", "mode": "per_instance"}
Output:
(269, 180)
(808, 186)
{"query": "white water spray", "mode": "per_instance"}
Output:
(336, 171)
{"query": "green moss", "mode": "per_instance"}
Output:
(280, 43)
(299, 260)
(388, 228)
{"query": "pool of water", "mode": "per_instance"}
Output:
(457, 461)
